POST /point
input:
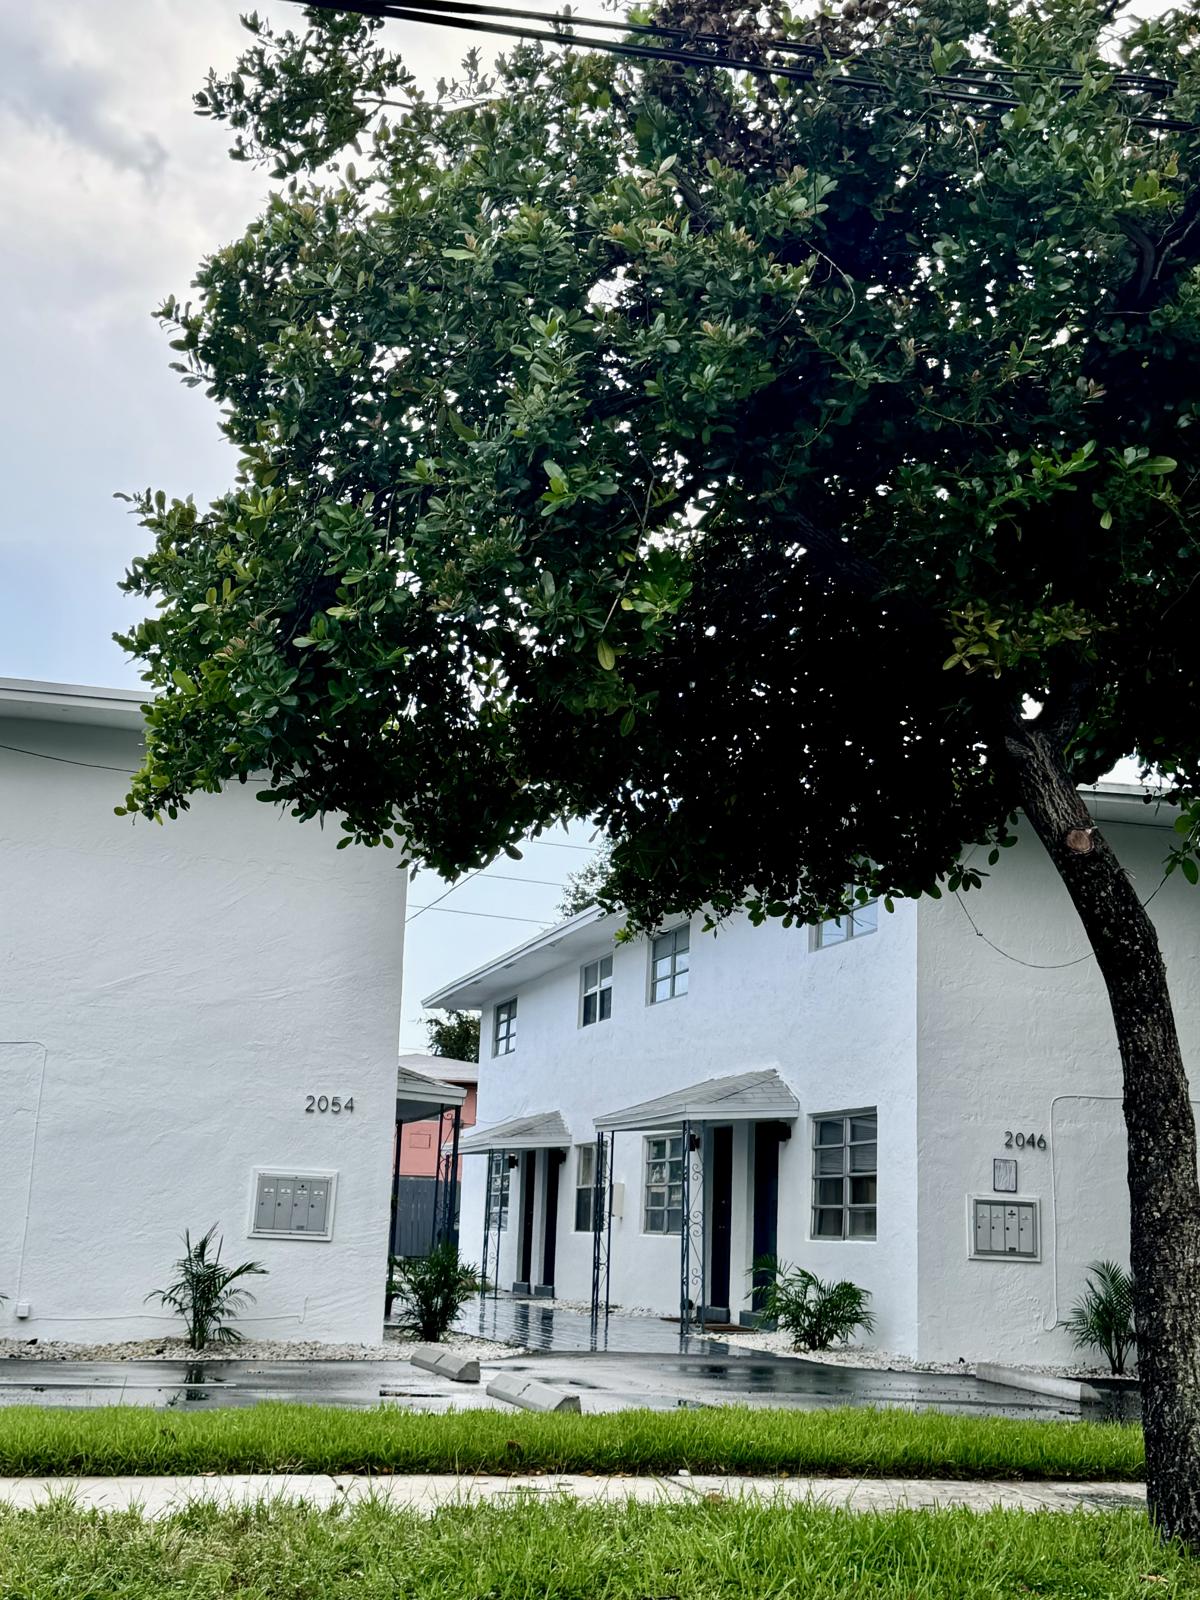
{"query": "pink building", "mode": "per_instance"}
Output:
(425, 1176)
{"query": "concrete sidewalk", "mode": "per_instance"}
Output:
(159, 1497)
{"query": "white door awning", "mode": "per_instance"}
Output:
(745, 1097)
(544, 1131)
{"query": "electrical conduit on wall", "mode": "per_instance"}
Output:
(29, 1044)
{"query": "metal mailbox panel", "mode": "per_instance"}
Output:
(264, 1206)
(1005, 1229)
(295, 1205)
(318, 1206)
(284, 1188)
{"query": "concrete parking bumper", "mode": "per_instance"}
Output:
(458, 1368)
(531, 1395)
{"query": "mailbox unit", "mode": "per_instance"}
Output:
(1004, 1229)
(291, 1205)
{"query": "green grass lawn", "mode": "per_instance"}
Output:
(854, 1443)
(567, 1552)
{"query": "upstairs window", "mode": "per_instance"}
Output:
(663, 1208)
(597, 991)
(851, 925)
(669, 964)
(504, 1028)
(845, 1168)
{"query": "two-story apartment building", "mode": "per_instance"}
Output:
(927, 1102)
(198, 1025)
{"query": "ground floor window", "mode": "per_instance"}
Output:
(662, 1211)
(585, 1187)
(845, 1167)
(498, 1193)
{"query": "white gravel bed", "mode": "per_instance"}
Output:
(780, 1344)
(396, 1347)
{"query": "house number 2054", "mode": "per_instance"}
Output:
(1025, 1141)
(325, 1102)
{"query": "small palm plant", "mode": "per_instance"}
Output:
(207, 1294)
(1102, 1318)
(432, 1290)
(816, 1314)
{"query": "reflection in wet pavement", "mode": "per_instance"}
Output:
(641, 1365)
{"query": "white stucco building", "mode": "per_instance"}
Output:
(198, 1025)
(931, 1113)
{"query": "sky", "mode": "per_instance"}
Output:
(111, 192)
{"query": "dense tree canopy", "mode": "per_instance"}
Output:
(728, 459)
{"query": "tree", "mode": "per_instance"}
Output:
(586, 887)
(797, 476)
(455, 1035)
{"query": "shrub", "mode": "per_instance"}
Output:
(207, 1294)
(816, 1314)
(431, 1290)
(1102, 1318)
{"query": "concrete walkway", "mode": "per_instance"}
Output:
(158, 1497)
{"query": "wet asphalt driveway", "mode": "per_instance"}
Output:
(604, 1380)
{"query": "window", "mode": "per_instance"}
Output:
(663, 1210)
(597, 992)
(845, 1164)
(585, 1187)
(852, 925)
(498, 1192)
(504, 1028)
(669, 964)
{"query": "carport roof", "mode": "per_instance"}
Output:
(418, 1097)
(545, 1130)
(745, 1097)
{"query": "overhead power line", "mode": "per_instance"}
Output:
(965, 88)
(490, 916)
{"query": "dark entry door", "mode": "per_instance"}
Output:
(528, 1197)
(766, 1198)
(550, 1243)
(722, 1215)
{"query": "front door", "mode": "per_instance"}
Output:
(766, 1199)
(550, 1242)
(721, 1194)
(528, 1202)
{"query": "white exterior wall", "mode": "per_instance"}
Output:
(1006, 1047)
(838, 1024)
(170, 996)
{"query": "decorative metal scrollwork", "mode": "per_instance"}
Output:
(693, 1235)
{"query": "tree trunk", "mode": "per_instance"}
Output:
(1164, 1195)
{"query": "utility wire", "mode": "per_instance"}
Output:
(492, 916)
(1141, 82)
(66, 761)
(477, 18)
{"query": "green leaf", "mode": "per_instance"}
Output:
(1106, 519)
(606, 655)
(181, 681)
(1159, 466)
(1190, 869)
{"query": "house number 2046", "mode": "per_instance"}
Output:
(325, 1102)
(1024, 1141)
